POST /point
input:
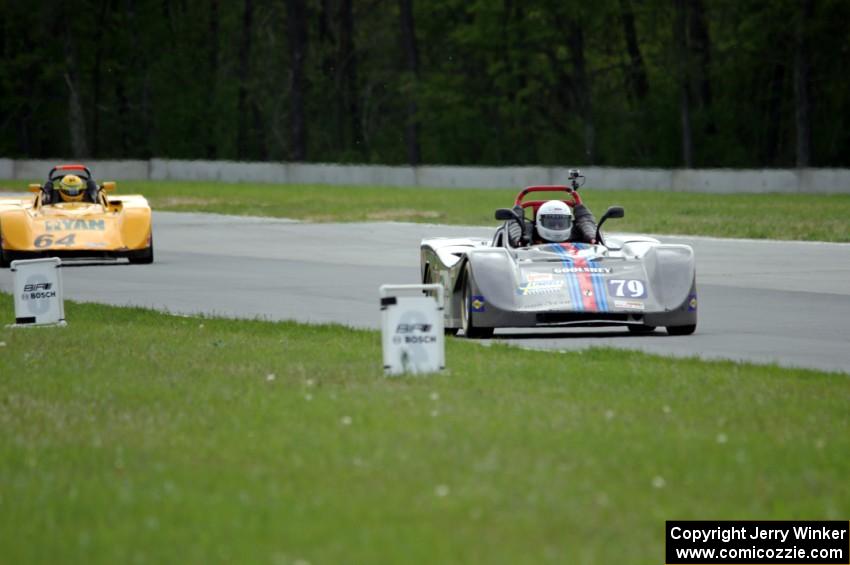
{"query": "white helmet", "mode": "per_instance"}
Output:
(554, 221)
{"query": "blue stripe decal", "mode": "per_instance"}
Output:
(599, 288)
(570, 278)
(594, 277)
(603, 292)
(576, 284)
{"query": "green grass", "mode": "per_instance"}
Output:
(772, 216)
(133, 436)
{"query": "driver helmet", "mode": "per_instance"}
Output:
(71, 188)
(554, 221)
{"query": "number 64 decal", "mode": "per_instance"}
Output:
(46, 240)
(630, 288)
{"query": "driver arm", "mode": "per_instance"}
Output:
(584, 228)
(514, 231)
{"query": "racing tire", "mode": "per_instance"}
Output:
(144, 257)
(641, 329)
(5, 260)
(681, 330)
(426, 276)
(470, 331)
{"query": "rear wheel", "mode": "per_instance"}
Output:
(681, 330)
(468, 316)
(641, 329)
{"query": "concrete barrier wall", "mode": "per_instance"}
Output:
(37, 169)
(788, 181)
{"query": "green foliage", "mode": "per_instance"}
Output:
(498, 82)
(133, 436)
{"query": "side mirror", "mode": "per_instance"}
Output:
(611, 212)
(615, 212)
(34, 188)
(506, 214)
(108, 186)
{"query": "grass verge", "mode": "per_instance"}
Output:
(771, 216)
(134, 436)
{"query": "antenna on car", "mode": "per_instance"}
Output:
(575, 175)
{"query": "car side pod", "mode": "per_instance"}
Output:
(412, 328)
(39, 299)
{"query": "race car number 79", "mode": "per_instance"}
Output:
(631, 288)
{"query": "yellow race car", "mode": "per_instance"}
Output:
(70, 215)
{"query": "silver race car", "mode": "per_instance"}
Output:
(506, 282)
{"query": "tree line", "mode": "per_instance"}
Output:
(667, 83)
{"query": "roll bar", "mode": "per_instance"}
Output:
(572, 202)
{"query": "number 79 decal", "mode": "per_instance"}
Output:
(629, 288)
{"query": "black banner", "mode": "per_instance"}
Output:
(759, 542)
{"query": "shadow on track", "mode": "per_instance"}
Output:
(579, 334)
(94, 263)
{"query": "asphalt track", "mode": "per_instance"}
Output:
(759, 301)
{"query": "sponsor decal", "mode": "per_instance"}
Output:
(692, 303)
(583, 278)
(412, 333)
(477, 303)
(66, 225)
(627, 288)
(552, 304)
(542, 287)
(38, 291)
(629, 304)
(593, 270)
(543, 284)
(537, 277)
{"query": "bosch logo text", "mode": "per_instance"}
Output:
(38, 291)
(410, 333)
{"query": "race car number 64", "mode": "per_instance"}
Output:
(631, 288)
(46, 240)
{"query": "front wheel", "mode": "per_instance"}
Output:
(145, 257)
(426, 279)
(470, 331)
(681, 330)
(5, 260)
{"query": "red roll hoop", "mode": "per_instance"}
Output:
(572, 202)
